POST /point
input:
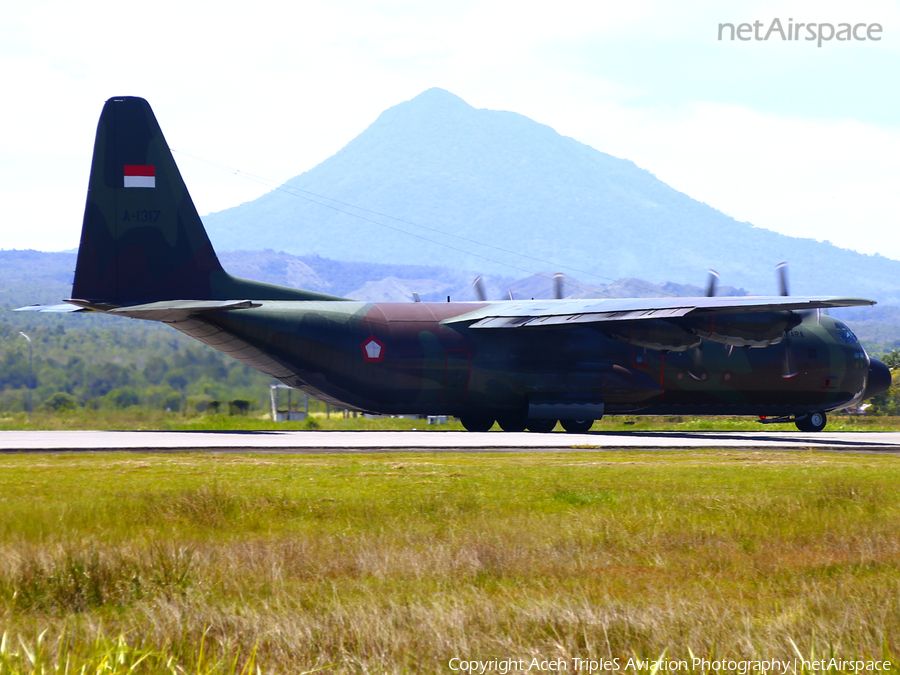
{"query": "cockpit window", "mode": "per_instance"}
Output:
(844, 334)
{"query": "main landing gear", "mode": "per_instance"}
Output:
(541, 426)
(477, 422)
(521, 423)
(814, 421)
(577, 426)
(512, 422)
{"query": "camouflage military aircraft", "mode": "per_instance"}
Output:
(526, 364)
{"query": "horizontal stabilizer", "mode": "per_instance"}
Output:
(165, 310)
(63, 308)
(178, 310)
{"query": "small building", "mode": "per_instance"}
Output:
(288, 414)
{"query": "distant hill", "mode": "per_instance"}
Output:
(381, 282)
(505, 180)
(346, 279)
(34, 277)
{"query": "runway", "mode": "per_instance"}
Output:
(312, 442)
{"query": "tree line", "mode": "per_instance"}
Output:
(110, 366)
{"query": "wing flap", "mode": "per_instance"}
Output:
(587, 317)
(538, 314)
(166, 310)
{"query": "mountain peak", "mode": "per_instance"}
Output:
(435, 113)
(437, 129)
(436, 97)
(442, 183)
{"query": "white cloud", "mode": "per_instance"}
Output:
(275, 87)
(806, 178)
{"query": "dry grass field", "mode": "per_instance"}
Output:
(207, 563)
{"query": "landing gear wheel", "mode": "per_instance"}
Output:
(815, 421)
(541, 426)
(577, 426)
(512, 422)
(477, 422)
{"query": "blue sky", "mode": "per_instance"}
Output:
(786, 135)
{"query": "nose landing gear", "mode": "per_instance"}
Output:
(815, 421)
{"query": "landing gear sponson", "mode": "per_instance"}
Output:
(811, 422)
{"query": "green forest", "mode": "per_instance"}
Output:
(101, 362)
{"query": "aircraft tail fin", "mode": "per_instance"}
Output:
(142, 239)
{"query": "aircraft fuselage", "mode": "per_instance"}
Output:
(404, 358)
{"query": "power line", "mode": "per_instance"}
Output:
(301, 193)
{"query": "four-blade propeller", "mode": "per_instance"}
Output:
(480, 291)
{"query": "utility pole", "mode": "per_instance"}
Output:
(30, 371)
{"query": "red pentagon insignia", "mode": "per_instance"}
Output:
(372, 349)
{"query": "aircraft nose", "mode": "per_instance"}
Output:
(879, 379)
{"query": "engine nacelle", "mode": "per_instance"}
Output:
(745, 330)
(658, 334)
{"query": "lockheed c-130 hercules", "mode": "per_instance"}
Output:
(144, 254)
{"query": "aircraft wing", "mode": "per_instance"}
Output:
(546, 313)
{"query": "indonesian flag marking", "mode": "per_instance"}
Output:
(139, 176)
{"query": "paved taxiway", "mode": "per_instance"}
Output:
(445, 441)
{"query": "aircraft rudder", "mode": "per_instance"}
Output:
(142, 239)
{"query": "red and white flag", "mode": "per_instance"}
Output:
(139, 176)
